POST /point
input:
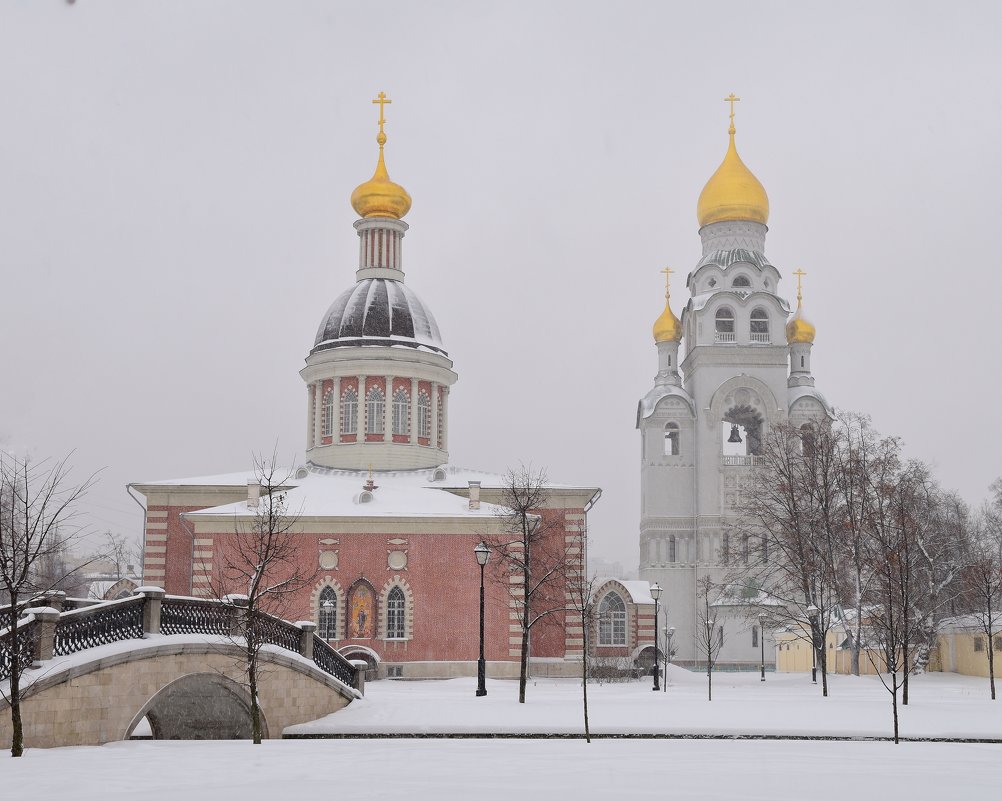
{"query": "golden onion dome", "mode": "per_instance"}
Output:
(379, 196)
(667, 328)
(733, 192)
(799, 329)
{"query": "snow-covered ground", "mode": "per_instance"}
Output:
(941, 705)
(492, 769)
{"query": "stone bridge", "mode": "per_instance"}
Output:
(167, 666)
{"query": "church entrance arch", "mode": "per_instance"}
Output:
(199, 706)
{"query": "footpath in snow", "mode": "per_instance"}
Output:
(785, 705)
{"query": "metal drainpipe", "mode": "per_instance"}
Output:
(128, 489)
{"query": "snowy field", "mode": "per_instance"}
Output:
(942, 705)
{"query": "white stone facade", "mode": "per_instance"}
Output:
(736, 370)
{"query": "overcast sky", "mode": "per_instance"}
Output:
(174, 218)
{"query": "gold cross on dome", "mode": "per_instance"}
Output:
(667, 271)
(732, 98)
(800, 274)
(381, 100)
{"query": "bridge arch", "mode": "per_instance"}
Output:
(199, 706)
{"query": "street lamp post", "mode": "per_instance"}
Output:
(812, 614)
(656, 594)
(482, 552)
(761, 639)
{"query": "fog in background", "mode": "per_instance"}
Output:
(174, 218)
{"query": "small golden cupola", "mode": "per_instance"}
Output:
(379, 196)
(667, 328)
(733, 192)
(799, 329)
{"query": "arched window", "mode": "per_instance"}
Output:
(349, 411)
(725, 548)
(423, 414)
(327, 614)
(612, 620)
(401, 412)
(327, 418)
(672, 439)
(374, 410)
(724, 327)
(741, 281)
(396, 606)
(760, 326)
(671, 548)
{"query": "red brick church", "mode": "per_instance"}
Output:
(385, 522)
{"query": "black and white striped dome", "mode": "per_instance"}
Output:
(378, 311)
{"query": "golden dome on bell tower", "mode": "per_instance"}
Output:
(799, 329)
(379, 196)
(667, 328)
(733, 192)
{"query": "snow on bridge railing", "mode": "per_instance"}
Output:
(47, 632)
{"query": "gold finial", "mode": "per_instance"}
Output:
(667, 271)
(667, 328)
(800, 274)
(799, 329)
(381, 100)
(732, 98)
(733, 192)
(379, 196)
(370, 485)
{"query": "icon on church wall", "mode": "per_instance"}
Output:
(361, 604)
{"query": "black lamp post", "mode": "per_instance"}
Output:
(656, 594)
(761, 639)
(812, 613)
(481, 552)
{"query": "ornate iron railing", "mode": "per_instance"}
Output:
(112, 621)
(23, 653)
(332, 663)
(275, 631)
(195, 616)
(99, 625)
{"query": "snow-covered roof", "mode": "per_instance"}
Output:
(796, 393)
(651, 400)
(639, 591)
(445, 476)
(343, 494)
(697, 302)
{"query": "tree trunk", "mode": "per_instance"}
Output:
(252, 655)
(894, 703)
(709, 679)
(904, 676)
(523, 675)
(823, 664)
(17, 738)
(991, 661)
(584, 683)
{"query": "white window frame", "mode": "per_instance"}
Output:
(396, 614)
(375, 411)
(327, 414)
(612, 620)
(349, 411)
(424, 415)
(401, 412)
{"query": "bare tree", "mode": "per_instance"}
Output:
(533, 557)
(260, 572)
(582, 606)
(119, 552)
(709, 634)
(983, 580)
(37, 522)
(791, 526)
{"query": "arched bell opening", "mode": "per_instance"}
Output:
(742, 430)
